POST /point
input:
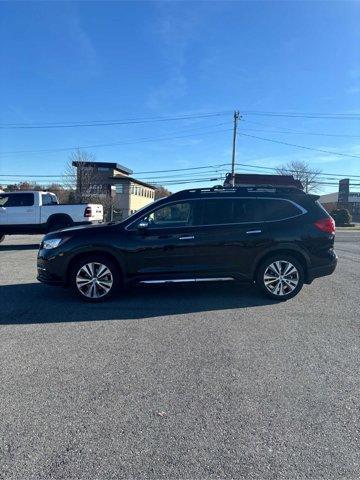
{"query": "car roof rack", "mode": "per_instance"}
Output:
(266, 188)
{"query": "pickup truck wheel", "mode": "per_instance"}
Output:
(2, 238)
(58, 224)
(95, 278)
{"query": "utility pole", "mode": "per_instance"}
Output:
(236, 118)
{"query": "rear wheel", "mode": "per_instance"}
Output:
(280, 277)
(2, 237)
(95, 278)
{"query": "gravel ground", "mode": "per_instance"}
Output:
(183, 382)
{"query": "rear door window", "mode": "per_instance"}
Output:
(231, 210)
(20, 200)
(216, 212)
(247, 210)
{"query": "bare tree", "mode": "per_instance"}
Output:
(86, 184)
(161, 192)
(309, 177)
(81, 178)
(23, 186)
(63, 194)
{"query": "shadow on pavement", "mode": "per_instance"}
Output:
(29, 246)
(37, 303)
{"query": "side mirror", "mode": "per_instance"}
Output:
(143, 225)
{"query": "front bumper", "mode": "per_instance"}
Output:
(45, 277)
(50, 268)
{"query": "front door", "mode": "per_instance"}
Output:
(160, 245)
(3, 213)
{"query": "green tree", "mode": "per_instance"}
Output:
(341, 216)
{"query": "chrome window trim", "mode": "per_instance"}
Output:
(302, 209)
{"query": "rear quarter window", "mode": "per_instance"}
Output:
(274, 209)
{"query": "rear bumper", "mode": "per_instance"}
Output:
(322, 270)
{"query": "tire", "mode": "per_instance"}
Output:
(58, 224)
(2, 237)
(280, 277)
(87, 270)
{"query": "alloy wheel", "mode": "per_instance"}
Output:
(281, 278)
(94, 280)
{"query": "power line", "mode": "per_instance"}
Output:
(93, 123)
(300, 146)
(216, 168)
(341, 175)
(183, 169)
(135, 173)
(181, 181)
(297, 132)
(325, 116)
(133, 142)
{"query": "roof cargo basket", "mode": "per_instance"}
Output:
(260, 179)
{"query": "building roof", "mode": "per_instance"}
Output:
(261, 179)
(114, 166)
(329, 198)
(134, 180)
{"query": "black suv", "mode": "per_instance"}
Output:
(278, 237)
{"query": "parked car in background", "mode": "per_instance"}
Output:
(278, 237)
(34, 212)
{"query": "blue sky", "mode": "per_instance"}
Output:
(84, 61)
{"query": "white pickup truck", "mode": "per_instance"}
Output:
(38, 212)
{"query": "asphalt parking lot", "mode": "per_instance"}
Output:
(185, 382)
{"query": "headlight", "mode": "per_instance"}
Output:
(53, 243)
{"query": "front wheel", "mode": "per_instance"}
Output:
(280, 277)
(95, 278)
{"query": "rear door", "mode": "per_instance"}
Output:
(20, 209)
(232, 234)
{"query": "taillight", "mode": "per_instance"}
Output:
(87, 212)
(326, 225)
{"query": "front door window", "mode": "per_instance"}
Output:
(171, 215)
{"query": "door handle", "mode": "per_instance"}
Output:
(253, 231)
(188, 237)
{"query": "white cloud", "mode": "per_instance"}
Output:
(353, 90)
(175, 30)
(80, 39)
